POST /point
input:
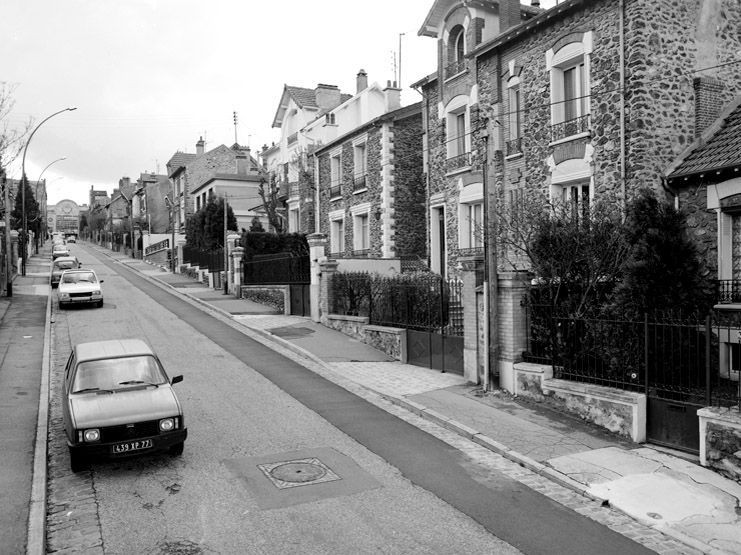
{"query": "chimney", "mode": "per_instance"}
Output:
(708, 102)
(242, 162)
(509, 14)
(327, 96)
(392, 95)
(199, 146)
(361, 81)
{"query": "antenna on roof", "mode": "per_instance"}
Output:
(236, 142)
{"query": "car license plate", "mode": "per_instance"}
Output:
(132, 446)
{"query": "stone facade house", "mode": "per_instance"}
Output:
(371, 190)
(573, 101)
(187, 172)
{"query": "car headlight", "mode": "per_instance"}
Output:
(93, 434)
(63, 296)
(97, 293)
(167, 424)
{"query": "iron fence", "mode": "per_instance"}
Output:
(423, 304)
(213, 260)
(677, 358)
(278, 268)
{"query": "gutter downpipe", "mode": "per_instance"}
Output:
(621, 9)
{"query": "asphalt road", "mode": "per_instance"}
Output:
(398, 488)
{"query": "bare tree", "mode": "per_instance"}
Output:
(269, 193)
(11, 139)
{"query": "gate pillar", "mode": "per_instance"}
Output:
(235, 259)
(317, 284)
(472, 359)
(512, 288)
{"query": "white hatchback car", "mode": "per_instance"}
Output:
(79, 286)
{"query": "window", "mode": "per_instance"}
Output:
(456, 51)
(569, 69)
(734, 363)
(438, 257)
(514, 143)
(335, 169)
(360, 166)
(293, 219)
(471, 217)
(337, 233)
(329, 118)
(361, 234)
(458, 140)
(576, 194)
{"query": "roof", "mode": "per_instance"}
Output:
(440, 9)
(303, 97)
(718, 148)
(114, 348)
(179, 160)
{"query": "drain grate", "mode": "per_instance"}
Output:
(298, 472)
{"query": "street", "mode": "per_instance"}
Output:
(390, 488)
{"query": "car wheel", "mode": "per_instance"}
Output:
(61, 305)
(100, 303)
(77, 461)
(177, 449)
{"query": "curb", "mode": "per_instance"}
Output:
(36, 541)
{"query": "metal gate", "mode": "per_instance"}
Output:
(283, 268)
(435, 350)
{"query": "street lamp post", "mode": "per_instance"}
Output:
(39, 181)
(23, 186)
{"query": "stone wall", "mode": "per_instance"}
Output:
(720, 441)
(275, 295)
(391, 341)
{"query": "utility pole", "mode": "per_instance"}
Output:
(8, 245)
(236, 142)
(226, 251)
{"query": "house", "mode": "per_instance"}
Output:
(149, 207)
(454, 162)
(572, 101)
(706, 183)
(240, 187)
(192, 176)
(286, 162)
(371, 191)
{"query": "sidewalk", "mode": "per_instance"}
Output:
(665, 490)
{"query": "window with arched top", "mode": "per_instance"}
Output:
(456, 51)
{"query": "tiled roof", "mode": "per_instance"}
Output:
(180, 159)
(305, 98)
(722, 149)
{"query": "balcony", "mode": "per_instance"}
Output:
(454, 68)
(293, 189)
(458, 162)
(361, 253)
(513, 147)
(474, 252)
(569, 128)
(729, 291)
(359, 183)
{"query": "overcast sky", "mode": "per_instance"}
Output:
(149, 77)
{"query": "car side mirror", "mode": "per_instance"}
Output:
(177, 379)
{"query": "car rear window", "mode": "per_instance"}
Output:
(78, 277)
(65, 265)
(117, 373)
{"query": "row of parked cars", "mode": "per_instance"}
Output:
(76, 285)
(117, 399)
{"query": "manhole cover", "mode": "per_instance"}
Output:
(300, 472)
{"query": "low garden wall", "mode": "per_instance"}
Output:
(391, 341)
(720, 441)
(276, 296)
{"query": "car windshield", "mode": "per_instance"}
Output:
(117, 373)
(77, 277)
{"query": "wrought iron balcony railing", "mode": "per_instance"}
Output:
(361, 253)
(293, 189)
(455, 68)
(569, 128)
(473, 251)
(513, 146)
(729, 291)
(458, 162)
(335, 189)
(359, 183)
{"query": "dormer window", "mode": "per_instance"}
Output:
(456, 51)
(329, 119)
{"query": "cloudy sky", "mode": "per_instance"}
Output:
(149, 77)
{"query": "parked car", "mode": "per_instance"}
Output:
(72, 239)
(79, 286)
(59, 250)
(60, 265)
(118, 401)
